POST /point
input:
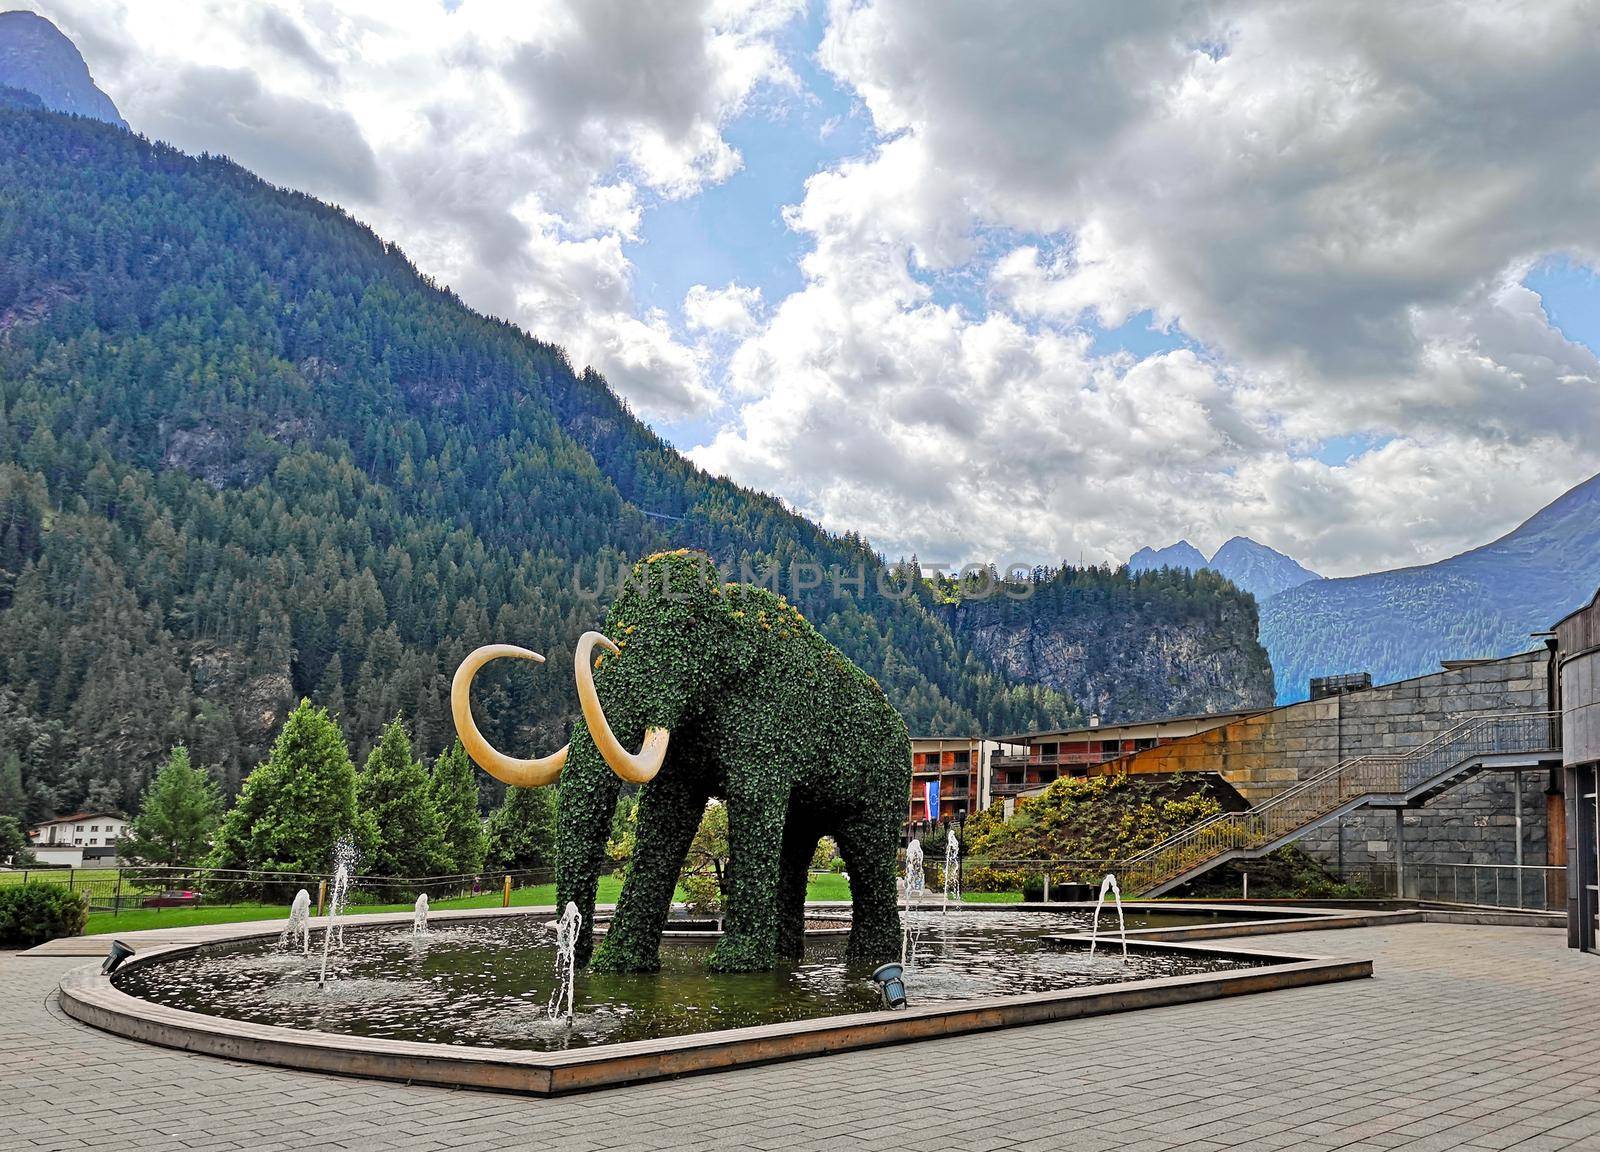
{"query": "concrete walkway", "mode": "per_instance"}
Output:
(1468, 1037)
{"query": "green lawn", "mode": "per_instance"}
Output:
(823, 886)
(828, 886)
(133, 919)
(79, 876)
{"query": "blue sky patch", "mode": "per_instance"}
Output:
(1570, 293)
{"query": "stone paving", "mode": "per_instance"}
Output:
(1468, 1037)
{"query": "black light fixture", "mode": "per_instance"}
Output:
(119, 952)
(890, 985)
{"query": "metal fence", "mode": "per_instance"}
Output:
(120, 889)
(986, 874)
(1529, 886)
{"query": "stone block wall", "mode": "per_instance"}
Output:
(1473, 823)
(1261, 755)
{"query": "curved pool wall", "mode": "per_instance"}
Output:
(92, 998)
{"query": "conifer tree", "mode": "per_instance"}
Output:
(178, 814)
(522, 831)
(13, 797)
(14, 843)
(395, 800)
(455, 794)
(294, 808)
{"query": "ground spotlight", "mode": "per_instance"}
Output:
(890, 985)
(119, 952)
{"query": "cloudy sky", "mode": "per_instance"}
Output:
(983, 281)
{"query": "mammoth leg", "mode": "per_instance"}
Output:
(799, 845)
(584, 804)
(755, 841)
(669, 813)
(869, 848)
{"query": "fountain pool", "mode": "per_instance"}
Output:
(473, 1001)
(489, 983)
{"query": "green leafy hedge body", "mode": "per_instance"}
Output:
(765, 715)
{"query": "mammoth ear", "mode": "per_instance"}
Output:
(507, 769)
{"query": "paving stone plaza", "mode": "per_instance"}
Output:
(1466, 1037)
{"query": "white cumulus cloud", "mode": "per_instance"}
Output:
(1334, 203)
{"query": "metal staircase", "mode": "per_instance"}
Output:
(1403, 780)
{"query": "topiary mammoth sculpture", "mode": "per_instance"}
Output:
(727, 692)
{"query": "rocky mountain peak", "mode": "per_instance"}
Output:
(35, 56)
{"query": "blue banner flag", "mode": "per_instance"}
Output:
(932, 795)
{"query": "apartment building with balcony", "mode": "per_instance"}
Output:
(961, 767)
(1042, 757)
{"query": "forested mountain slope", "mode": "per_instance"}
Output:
(248, 453)
(1484, 602)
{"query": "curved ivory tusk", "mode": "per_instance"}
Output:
(508, 769)
(635, 768)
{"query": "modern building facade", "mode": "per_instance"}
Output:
(1577, 657)
(960, 766)
(1040, 758)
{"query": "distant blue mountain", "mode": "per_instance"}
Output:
(1257, 569)
(36, 57)
(1401, 623)
(1180, 555)
(1252, 567)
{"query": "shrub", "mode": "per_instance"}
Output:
(988, 878)
(702, 894)
(33, 913)
(1287, 873)
(1095, 818)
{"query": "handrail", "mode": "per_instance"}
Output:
(1357, 778)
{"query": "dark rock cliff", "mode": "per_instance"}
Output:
(1127, 647)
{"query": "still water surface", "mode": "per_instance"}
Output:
(488, 983)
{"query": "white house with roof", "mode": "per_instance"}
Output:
(73, 838)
